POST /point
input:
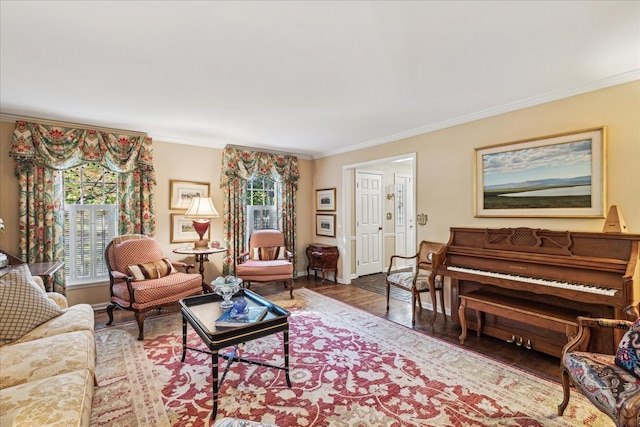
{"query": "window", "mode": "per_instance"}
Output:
(261, 204)
(90, 222)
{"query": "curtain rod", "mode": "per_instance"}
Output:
(11, 118)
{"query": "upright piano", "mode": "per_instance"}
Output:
(590, 274)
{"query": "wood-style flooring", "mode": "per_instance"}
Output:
(537, 363)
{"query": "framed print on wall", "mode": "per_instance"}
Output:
(182, 192)
(326, 199)
(182, 230)
(554, 176)
(326, 225)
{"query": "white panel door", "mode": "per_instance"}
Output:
(405, 241)
(369, 220)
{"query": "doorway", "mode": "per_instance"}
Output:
(347, 226)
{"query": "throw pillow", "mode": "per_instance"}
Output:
(151, 270)
(23, 305)
(628, 354)
(269, 253)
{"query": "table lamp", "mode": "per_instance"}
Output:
(201, 210)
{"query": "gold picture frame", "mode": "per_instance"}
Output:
(326, 225)
(326, 199)
(182, 230)
(560, 175)
(182, 192)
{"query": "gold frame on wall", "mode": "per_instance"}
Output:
(182, 230)
(326, 225)
(181, 193)
(326, 200)
(562, 175)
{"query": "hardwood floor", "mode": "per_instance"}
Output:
(537, 363)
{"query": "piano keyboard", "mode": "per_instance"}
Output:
(565, 285)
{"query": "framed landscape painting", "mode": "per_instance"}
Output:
(182, 192)
(554, 176)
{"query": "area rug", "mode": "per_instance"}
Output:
(348, 368)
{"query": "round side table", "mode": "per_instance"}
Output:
(201, 256)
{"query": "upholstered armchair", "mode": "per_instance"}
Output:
(141, 278)
(612, 388)
(267, 260)
(423, 279)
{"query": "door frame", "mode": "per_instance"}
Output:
(345, 238)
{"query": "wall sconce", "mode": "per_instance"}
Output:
(390, 196)
(422, 218)
(393, 189)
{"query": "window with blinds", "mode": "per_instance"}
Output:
(261, 204)
(90, 222)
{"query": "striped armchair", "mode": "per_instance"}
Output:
(267, 260)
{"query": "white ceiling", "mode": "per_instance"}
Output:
(309, 77)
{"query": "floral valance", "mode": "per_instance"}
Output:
(62, 148)
(243, 164)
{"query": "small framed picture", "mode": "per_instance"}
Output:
(182, 192)
(182, 230)
(326, 199)
(326, 225)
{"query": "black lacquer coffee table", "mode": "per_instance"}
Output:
(201, 313)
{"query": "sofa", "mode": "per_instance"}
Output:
(47, 355)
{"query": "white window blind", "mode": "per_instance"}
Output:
(88, 230)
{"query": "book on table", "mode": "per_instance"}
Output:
(230, 319)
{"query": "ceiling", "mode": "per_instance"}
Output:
(313, 78)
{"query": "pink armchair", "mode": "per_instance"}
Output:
(266, 261)
(141, 279)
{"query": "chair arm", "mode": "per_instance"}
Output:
(117, 276)
(290, 256)
(242, 257)
(180, 264)
(581, 340)
(393, 257)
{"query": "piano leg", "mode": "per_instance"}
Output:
(463, 320)
(479, 318)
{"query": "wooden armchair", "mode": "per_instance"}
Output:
(267, 260)
(423, 279)
(612, 389)
(141, 279)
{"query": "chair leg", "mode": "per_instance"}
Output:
(566, 390)
(140, 318)
(289, 283)
(388, 291)
(110, 313)
(413, 306)
(435, 310)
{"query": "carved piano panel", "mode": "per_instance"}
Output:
(591, 273)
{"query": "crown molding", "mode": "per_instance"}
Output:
(507, 108)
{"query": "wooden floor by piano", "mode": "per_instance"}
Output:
(537, 363)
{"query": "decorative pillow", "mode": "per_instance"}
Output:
(23, 305)
(628, 354)
(269, 253)
(151, 270)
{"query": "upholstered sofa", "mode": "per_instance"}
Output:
(47, 372)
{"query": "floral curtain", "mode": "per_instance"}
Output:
(237, 167)
(42, 152)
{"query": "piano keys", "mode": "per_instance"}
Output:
(595, 274)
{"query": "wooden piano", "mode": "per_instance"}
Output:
(532, 282)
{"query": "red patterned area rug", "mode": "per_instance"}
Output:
(348, 368)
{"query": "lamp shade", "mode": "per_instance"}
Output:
(201, 207)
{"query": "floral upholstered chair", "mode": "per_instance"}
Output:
(610, 382)
(141, 278)
(423, 279)
(267, 260)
